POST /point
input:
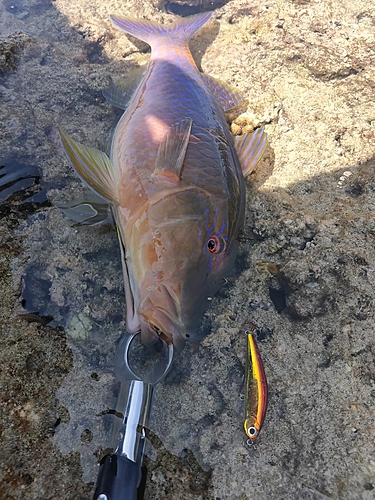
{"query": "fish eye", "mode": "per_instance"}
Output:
(252, 432)
(216, 244)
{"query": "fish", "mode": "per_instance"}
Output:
(174, 180)
(256, 390)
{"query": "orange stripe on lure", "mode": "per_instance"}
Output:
(256, 390)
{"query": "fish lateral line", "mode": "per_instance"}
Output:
(175, 189)
(256, 390)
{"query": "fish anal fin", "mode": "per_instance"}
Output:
(172, 150)
(93, 166)
(250, 149)
(120, 93)
(232, 102)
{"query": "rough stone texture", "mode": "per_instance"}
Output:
(9, 47)
(305, 273)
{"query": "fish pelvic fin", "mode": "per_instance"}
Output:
(148, 31)
(93, 166)
(250, 149)
(172, 150)
(89, 210)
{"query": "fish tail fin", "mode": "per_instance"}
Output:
(150, 32)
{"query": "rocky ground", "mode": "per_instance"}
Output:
(305, 274)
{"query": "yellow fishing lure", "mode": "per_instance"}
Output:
(256, 390)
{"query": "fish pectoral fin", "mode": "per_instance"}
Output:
(119, 94)
(89, 210)
(232, 102)
(172, 150)
(93, 167)
(250, 149)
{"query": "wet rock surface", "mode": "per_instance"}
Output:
(304, 278)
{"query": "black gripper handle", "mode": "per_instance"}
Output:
(118, 479)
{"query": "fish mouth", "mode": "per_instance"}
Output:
(159, 319)
(160, 327)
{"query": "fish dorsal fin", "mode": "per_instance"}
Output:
(119, 94)
(232, 102)
(250, 149)
(93, 167)
(172, 150)
(89, 210)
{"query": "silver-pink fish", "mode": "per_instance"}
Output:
(174, 179)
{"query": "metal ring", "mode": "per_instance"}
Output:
(123, 370)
